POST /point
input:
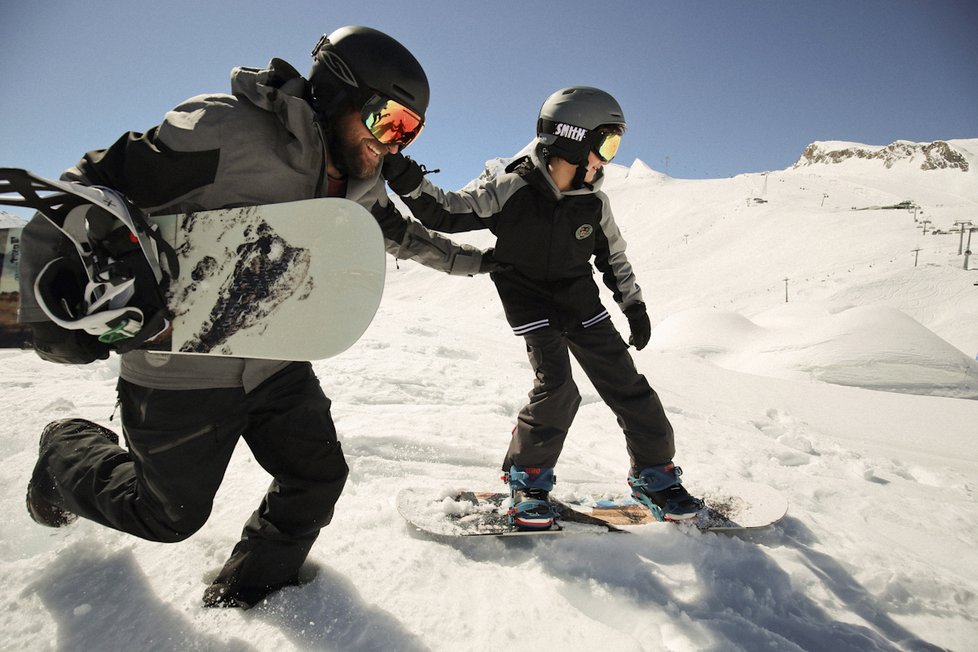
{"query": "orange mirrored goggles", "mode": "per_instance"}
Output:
(391, 122)
(608, 146)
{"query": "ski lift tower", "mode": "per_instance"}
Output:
(961, 224)
(967, 251)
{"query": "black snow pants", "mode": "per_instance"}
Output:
(543, 423)
(179, 446)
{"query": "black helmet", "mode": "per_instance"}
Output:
(354, 63)
(570, 118)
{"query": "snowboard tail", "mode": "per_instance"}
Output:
(733, 506)
(292, 281)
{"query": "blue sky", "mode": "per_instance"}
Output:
(709, 88)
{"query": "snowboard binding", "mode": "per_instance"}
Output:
(111, 276)
(659, 488)
(529, 492)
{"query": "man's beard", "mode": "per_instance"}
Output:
(350, 158)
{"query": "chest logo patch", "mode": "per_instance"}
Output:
(584, 232)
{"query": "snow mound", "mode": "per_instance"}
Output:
(873, 347)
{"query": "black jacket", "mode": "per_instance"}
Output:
(547, 238)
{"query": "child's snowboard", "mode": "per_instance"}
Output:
(293, 281)
(734, 506)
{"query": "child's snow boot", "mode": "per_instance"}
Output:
(660, 489)
(529, 491)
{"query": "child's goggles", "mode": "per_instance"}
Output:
(391, 122)
(607, 145)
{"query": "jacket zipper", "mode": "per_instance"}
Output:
(322, 166)
(550, 241)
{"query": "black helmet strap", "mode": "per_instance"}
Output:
(578, 181)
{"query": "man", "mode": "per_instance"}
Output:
(550, 219)
(278, 137)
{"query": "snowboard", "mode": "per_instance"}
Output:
(732, 507)
(292, 281)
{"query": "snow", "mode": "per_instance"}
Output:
(865, 346)
(878, 551)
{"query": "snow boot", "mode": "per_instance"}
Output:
(44, 503)
(231, 588)
(529, 492)
(660, 489)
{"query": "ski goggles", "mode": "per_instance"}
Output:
(607, 145)
(603, 141)
(391, 122)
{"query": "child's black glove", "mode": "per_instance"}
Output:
(403, 174)
(639, 324)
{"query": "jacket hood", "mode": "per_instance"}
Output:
(279, 88)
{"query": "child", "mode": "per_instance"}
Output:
(550, 218)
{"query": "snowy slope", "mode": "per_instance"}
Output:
(878, 551)
(712, 244)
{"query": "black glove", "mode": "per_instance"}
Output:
(489, 264)
(403, 174)
(639, 324)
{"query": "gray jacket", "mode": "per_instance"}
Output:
(262, 144)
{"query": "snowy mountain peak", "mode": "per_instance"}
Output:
(937, 155)
(639, 169)
(8, 221)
